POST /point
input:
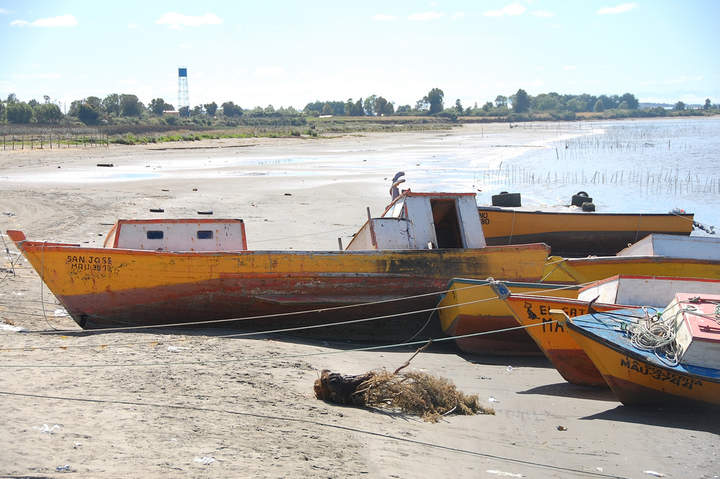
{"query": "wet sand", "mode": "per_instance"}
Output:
(195, 403)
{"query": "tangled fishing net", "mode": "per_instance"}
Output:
(416, 393)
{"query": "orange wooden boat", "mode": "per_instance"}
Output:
(160, 272)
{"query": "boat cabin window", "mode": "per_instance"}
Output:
(204, 234)
(447, 225)
(154, 235)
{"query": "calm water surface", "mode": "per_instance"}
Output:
(650, 166)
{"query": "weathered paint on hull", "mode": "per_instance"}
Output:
(473, 307)
(592, 233)
(237, 298)
(583, 270)
(553, 339)
(636, 382)
(111, 287)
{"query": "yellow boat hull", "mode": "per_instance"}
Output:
(472, 306)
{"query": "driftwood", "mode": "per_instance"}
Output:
(412, 392)
(335, 387)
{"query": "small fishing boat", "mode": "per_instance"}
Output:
(654, 255)
(475, 306)
(656, 358)
(160, 272)
(575, 231)
(618, 292)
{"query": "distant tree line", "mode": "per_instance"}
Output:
(118, 108)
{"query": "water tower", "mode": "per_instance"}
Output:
(183, 95)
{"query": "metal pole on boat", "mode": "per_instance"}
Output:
(368, 213)
(340, 247)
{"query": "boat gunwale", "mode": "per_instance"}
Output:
(23, 244)
(620, 276)
(26, 245)
(525, 297)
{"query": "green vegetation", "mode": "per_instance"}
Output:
(122, 118)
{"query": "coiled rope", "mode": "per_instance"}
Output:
(657, 333)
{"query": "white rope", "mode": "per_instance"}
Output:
(274, 331)
(269, 357)
(307, 311)
(656, 333)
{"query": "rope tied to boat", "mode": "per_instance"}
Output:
(709, 229)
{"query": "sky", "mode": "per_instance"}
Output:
(289, 53)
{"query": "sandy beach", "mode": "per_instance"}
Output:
(196, 403)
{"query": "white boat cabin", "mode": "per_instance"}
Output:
(644, 290)
(698, 335)
(178, 235)
(423, 221)
(675, 246)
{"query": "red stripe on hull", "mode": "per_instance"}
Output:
(575, 366)
(237, 297)
(516, 342)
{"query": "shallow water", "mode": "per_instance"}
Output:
(649, 166)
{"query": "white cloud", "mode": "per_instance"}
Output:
(542, 13)
(510, 10)
(178, 20)
(133, 26)
(380, 17)
(457, 15)
(622, 8)
(66, 20)
(569, 68)
(36, 76)
(425, 16)
(4, 11)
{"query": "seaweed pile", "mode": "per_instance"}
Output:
(414, 392)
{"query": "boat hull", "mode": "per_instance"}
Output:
(109, 287)
(472, 306)
(553, 338)
(636, 381)
(584, 270)
(601, 234)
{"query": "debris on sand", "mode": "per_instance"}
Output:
(415, 393)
